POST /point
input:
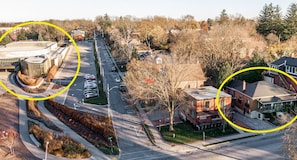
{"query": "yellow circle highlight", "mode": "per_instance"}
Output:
(75, 75)
(242, 128)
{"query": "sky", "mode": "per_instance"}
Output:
(38, 10)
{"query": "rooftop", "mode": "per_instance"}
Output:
(24, 49)
(290, 61)
(36, 59)
(205, 92)
(261, 89)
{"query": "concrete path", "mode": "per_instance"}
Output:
(39, 153)
(195, 146)
(23, 128)
(96, 154)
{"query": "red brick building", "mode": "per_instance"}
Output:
(202, 110)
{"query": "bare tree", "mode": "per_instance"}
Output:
(160, 82)
(9, 139)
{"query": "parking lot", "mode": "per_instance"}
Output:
(76, 93)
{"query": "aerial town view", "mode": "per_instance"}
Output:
(148, 80)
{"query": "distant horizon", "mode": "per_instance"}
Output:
(13, 11)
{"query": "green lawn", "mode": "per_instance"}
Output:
(186, 132)
(96, 100)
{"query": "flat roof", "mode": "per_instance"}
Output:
(205, 92)
(36, 59)
(24, 49)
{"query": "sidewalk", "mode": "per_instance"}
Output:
(37, 152)
(191, 147)
(96, 153)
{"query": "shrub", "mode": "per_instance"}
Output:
(88, 125)
(58, 145)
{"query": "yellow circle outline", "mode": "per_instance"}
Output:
(242, 128)
(78, 61)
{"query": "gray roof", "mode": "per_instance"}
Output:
(205, 92)
(261, 89)
(290, 61)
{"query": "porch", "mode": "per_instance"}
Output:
(277, 104)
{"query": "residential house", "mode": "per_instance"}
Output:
(259, 98)
(202, 110)
(288, 65)
(194, 79)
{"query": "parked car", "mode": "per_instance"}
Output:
(90, 91)
(90, 81)
(90, 77)
(113, 69)
(117, 79)
(90, 95)
(90, 85)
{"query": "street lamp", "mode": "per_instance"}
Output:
(46, 148)
(108, 99)
(110, 140)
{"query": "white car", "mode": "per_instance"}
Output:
(90, 95)
(90, 85)
(90, 77)
(117, 79)
(90, 81)
(89, 90)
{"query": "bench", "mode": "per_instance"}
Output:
(34, 140)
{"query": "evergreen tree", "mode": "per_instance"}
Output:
(225, 71)
(290, 22)
(270, 21)
(40, 38)
(22, 35)
(223, 17)
(5, 40)
(253, 75)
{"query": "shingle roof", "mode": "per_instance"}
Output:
(261, 89)
(290, 61)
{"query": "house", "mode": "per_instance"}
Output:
(193, 77)
(288, 65)
(258, 99)
(202, 110)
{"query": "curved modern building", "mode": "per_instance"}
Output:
(33, 58)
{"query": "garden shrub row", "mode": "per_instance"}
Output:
(61, 146)
(95, 128)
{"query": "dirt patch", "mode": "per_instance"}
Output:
(9, 118)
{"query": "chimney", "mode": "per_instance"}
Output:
(243, 85)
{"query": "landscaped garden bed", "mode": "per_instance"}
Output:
(61, 146)
(186, 132)
(34, 113)
(95, 128)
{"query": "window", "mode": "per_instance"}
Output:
(239, 100)
(206, 104)
(247, 103)
(202, 117)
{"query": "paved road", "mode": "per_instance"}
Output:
(264, 149)
(134, 147)
(133, 142)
